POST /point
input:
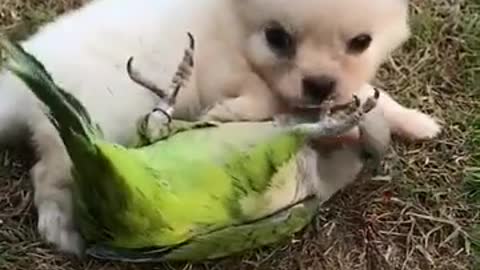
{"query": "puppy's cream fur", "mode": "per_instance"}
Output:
(237, 76)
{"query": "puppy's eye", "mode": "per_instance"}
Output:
(359, 43)
(279, 39)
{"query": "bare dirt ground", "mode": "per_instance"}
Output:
(414, 215)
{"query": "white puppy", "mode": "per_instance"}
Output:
(253, 59)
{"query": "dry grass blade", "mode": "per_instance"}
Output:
(471, 77)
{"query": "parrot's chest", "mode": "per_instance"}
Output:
(248, 180)
(199, 182)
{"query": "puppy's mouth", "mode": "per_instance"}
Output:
(309, 105)
(308, 112)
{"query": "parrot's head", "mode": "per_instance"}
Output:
(340, 161)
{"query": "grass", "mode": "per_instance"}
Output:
(472, 80)
(415, 215)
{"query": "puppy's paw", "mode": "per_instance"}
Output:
(418, 126)
(56, 228)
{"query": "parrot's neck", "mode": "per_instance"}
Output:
(325, 171)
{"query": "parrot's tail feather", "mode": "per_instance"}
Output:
(127, 256)
(66, 113)
(223, 242)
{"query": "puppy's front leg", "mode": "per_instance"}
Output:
(255, 103)
(405, 122)
(53, 195)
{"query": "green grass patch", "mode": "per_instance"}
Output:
(471, 77)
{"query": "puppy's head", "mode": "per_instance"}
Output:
(308, 49)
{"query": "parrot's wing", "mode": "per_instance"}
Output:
(223, 242)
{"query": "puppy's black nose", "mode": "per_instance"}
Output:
(317, 89)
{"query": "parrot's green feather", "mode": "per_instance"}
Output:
(218, 243)
(204, 191)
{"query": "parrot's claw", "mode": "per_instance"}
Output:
(156, 124)
(153, 127)
(340, 119)
(137, 77)
(345, 109)
(355, 109)
(184, 72)
(181, 77)
(371, 102)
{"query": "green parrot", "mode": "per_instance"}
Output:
(193, 191)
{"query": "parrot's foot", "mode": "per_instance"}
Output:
(180, 79)
(156, 124)
(340, 119)
(153, 127)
